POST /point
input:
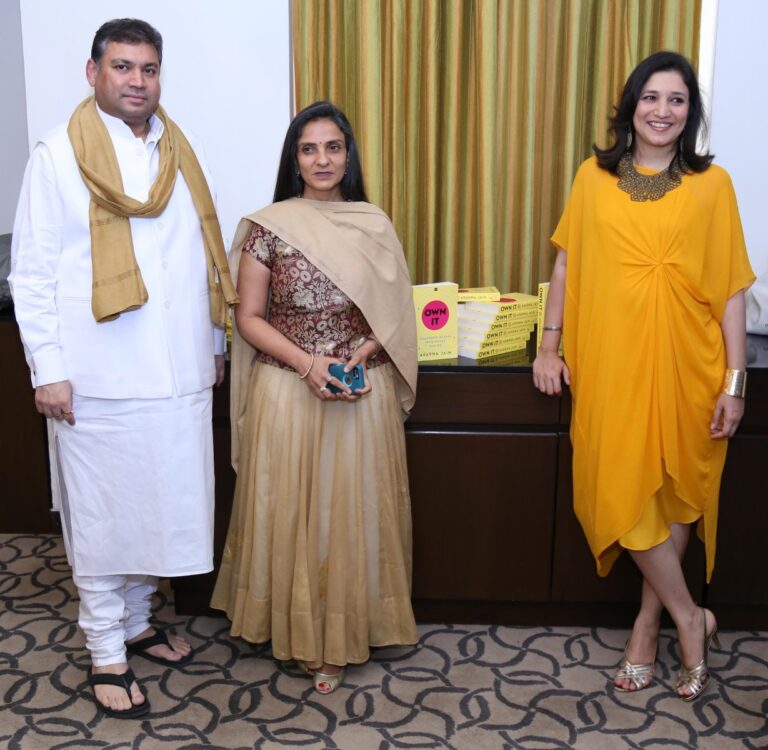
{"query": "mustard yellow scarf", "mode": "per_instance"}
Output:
(117, 282)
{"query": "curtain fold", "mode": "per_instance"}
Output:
(472, 116)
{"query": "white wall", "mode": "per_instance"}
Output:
(13, 120)
(740, 116)
(225, 77)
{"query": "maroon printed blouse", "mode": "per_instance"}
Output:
(305, 305)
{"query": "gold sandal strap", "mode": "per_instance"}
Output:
(638, 674)
(694, 678)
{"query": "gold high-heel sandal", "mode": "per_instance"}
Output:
(696, 678)
(326, 683)
(640, 675)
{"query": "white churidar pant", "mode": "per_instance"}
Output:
(113, 609)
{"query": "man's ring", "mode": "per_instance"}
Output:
(66, 413)
(323, 389)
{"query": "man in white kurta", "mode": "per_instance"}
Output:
(129, 398)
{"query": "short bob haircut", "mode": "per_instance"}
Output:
(126, 31)
(621, 122)
(289, 184)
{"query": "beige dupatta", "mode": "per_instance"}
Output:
(354, 244)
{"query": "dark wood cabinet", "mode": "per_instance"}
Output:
(495, 536)
(458, 482)
(24, 477)
(480, 448)
(481, 396)
(740, 578)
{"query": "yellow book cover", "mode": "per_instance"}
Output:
(512, 324)
(474, 328)
(515, 357)
(522, 299)
(479, 294)
(543, 292)
(491, 339)
(477, 335)
(487, 344)
(508, 319)
(436, 320)
(474, 353)
(510, 302)
(542, 306)
(507, 301)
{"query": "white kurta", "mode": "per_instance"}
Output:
(136, 470)
(137, 485)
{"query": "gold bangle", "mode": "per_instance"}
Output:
(735, 383)
(311, 362)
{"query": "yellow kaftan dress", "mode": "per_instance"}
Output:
(646, 287)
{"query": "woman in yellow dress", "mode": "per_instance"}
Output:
(648, 291)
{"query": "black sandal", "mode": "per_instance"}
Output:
(159, 638)
(124, 681)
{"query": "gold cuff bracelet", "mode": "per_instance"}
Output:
(735, 383)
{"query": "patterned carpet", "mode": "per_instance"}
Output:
(463, 686)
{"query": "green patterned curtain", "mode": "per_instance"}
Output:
(473, 115)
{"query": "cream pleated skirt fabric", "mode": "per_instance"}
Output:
(318, 554)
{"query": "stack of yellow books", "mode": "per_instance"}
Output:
(487, 329)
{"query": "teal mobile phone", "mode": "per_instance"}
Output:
(354, 379)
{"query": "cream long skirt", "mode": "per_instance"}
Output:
(318, 553)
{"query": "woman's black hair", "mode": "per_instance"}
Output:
(289, 184)
(621, 122)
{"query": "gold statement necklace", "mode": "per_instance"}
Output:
(648, 187)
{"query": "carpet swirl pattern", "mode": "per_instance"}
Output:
(462, 687)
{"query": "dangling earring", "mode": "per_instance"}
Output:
(629, 139)
(346, 167)
(300, 190)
